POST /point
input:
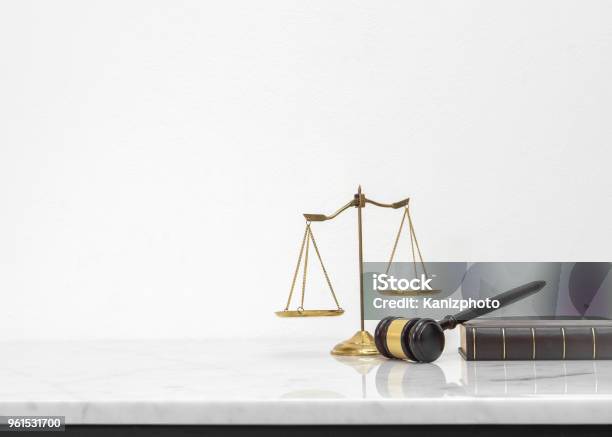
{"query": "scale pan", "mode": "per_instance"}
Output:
(309, 313)
(409, 292)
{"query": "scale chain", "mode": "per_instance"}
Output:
(301, 307)
(413, 233)
(399, 232)
(314, 244)
(297, 267)
(413, 242)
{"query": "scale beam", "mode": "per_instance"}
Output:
(323, 217)
(355, 203)
(394, 205)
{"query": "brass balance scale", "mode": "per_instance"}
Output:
(362, 343)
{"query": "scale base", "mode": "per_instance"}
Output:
(359, 345)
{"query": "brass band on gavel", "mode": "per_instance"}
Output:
(392, 337)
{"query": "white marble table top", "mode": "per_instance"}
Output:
(264, 381)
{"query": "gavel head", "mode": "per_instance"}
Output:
(417, 340)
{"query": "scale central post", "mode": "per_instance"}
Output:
(361, 204)
(362, 343)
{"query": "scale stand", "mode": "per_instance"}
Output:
(362, 342)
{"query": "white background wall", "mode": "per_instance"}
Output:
(156, 156)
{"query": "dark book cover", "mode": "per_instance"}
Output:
(511, 339)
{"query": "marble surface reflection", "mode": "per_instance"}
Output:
(395, 379)
(297, 382)
(537, 378)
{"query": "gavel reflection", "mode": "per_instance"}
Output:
(397, 381)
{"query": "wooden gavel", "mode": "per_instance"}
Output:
(421, 340)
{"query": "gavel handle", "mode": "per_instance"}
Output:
(506, 298)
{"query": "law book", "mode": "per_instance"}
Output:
(536, 339)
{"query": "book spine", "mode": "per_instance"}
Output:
(542, 343)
